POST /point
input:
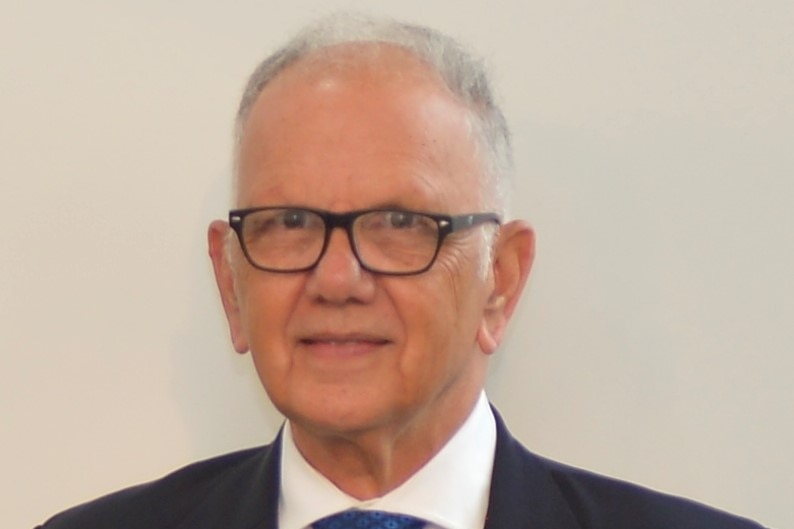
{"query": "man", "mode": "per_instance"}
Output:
(368, 268)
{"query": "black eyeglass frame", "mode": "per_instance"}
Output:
(447, 224)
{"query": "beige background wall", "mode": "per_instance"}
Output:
(654, 152)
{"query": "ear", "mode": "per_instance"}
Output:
(512, 261)
(225, 278)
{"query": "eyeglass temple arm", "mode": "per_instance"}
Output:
(462, 222)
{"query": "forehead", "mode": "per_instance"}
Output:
(359, 126)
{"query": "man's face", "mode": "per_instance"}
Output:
(341, 350)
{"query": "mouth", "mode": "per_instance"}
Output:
(343, 344)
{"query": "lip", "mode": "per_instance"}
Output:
(337, 345)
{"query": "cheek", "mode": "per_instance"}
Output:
(440, 315)
(268, 309)
(268, 304)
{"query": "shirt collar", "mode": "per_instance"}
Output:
(450, 491)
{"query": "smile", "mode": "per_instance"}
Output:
(343, 345)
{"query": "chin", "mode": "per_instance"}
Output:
(335, 418)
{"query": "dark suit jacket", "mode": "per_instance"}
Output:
(240, 491)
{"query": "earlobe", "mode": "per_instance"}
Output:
(224, 277)
(512, 262)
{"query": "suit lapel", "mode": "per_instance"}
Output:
(246, 499)
(523, 493)
(260, 509)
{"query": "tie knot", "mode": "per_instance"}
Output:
(368, 520)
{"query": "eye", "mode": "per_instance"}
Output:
(402, 219)
(295, 218)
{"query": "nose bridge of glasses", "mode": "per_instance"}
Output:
(340, 220)
(343, 221)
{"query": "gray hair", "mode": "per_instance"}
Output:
(462, 72)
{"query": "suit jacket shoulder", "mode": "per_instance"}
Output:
(531, 491)
(600, 501)
(237, 490)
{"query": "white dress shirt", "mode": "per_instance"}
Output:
(450, 491)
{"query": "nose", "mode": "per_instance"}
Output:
(338, 277)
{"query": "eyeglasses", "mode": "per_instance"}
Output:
(385, 241)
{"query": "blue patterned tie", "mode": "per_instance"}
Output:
(368, 520)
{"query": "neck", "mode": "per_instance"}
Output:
(369, 463)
